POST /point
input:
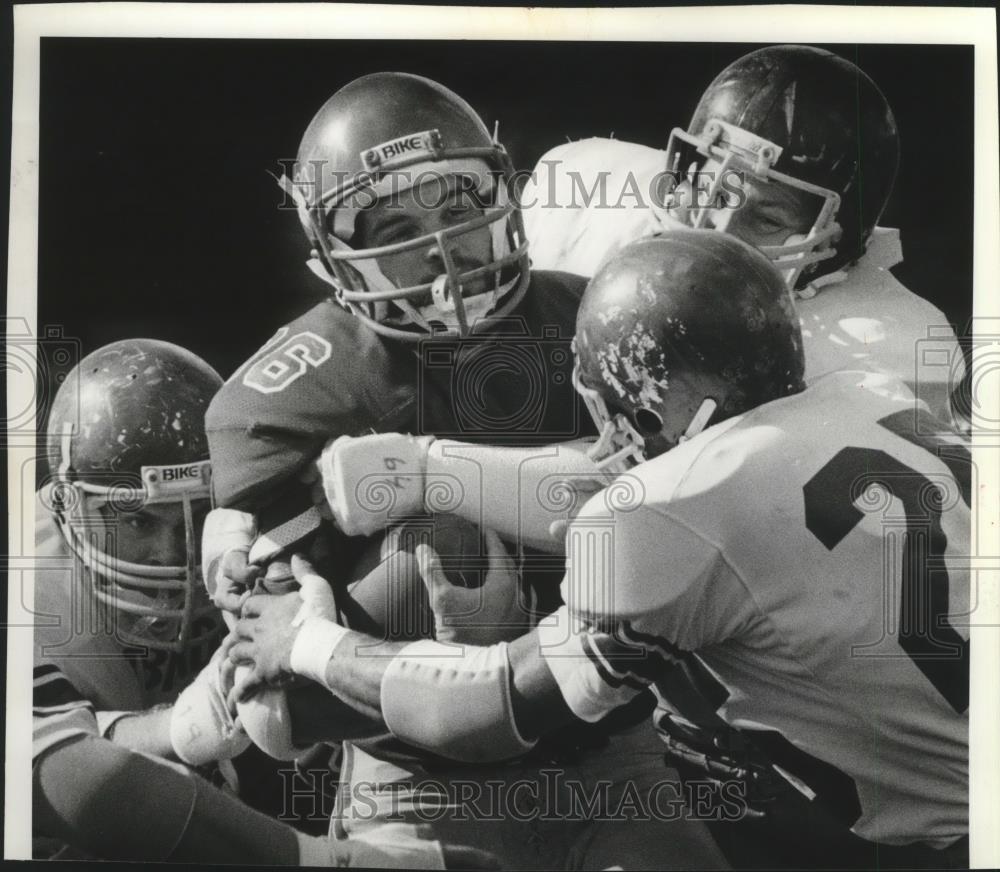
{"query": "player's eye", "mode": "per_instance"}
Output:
(390, 233)
(770, 223)
(459, 212)
(140, 523)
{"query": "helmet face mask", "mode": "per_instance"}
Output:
(373, 141)
(156, 605)
(724, 153)
(619, 446)
(361, 281)
(798, 120)
(127, 446)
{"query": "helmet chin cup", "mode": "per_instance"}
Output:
(802, 251)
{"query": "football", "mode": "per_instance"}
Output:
(389, 599)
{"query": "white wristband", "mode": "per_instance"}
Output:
(313, 648)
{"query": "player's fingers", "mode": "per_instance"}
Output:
(243, 632)
(237, 568)
(253, 606)
(227, 644)
(228, 601)
(495, 549)
(227, 675)
(247, 685)
(301, 568)
(429, 566)
(317, 595)
(242, 652)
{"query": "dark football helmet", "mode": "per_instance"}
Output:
(127, 430)
(679, 332)
(801, 117)
(380, 135)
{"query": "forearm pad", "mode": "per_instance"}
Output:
(453, 700)
(518, 492)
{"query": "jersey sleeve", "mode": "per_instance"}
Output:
(322, 376)
(641, 590)
(586, 199)
(59, 711)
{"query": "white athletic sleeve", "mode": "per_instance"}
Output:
(640, 589)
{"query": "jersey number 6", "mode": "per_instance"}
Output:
(280, 366)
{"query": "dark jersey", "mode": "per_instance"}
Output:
(326, 374)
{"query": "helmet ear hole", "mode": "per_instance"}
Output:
(648, 422)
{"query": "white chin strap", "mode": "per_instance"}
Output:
(477, 307)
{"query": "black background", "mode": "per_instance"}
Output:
(158, 216)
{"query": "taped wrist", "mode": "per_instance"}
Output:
(313, 647)
(453, 700)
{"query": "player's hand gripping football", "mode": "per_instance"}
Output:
(475, 615)
(225, 546)
(269, 625)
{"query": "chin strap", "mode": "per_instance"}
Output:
(700, 420)
(814, 287)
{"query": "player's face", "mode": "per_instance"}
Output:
(155, 535)
(770, 214)
(429, 208)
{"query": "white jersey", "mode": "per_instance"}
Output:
(811, 553)
(590, 198)
(83, 672)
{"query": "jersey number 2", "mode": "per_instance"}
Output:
(933, 645)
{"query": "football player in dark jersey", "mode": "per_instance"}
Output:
(436, 326)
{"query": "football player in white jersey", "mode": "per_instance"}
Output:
(808, 544)
(794, 150)
(126, 687)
